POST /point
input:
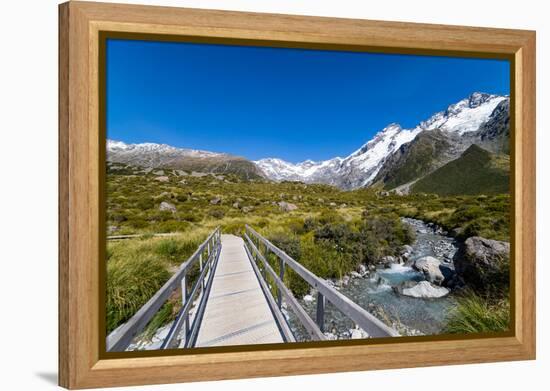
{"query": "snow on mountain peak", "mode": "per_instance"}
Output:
(112, 144)
(478, 98)
(466, 115)
(362, 166)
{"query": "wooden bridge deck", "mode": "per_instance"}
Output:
(237, 311)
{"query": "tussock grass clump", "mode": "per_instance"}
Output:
(137, 268)
(177, 250)
(475, 314)
(130, 283)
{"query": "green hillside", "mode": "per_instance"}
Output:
(414, 159)
(476, 171)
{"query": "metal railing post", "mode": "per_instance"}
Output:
(184, 298)
(201, 267)
(282, 277)
(321, 311)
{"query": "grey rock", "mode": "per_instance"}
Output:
(162, 179)
(434, 270)
(483, 262)
(358, 333)
(216, 201)
(406, 249)
(286, 206)
(362, 270)
(167, 206)
(422, 290)
(430, 267)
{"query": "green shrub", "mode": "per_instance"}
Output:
(290, 244)
(144, 203)
(216, 213)
(138, 223)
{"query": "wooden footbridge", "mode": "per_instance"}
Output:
(238, 299)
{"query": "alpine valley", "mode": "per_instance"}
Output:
(403, 160)
(414, 226)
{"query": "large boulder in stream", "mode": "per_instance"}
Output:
(483, 263)
(421, 290)
(434, 270)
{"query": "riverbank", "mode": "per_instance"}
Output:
(375, 289)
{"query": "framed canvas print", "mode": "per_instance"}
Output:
(248, 195)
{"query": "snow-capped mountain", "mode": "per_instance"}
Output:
(151, 154)
(356, 170)
(362, 166)
(166, 156)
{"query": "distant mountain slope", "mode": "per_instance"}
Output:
(165, 156)
(433, 148)
(476, 171)
(415, 159)
(494, 135)
(395, 155)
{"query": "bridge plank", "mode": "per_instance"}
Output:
(237, 312)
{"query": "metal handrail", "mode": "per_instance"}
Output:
(311, 327)
(120, 338)
(365, 320)
(282, 324)
(187, 301)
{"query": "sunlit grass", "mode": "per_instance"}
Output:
(331, 232)
(474, 314)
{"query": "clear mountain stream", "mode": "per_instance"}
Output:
(374, 292)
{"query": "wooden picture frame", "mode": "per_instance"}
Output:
(81, 160)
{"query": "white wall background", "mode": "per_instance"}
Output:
(28, 180)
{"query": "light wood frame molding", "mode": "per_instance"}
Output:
(82, 365)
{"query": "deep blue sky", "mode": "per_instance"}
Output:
(270, 102)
